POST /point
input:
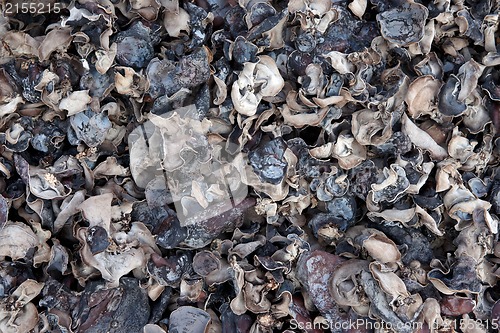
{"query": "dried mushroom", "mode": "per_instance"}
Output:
(249, 166)
(256, 81)
(106, 247)
(19, 239)
(403, 24)
(17, 312)
(268, 162)
(345, 288)
(104, 309)
(422, 96)
(188, 318)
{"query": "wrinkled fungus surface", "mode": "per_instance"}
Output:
(249, 166)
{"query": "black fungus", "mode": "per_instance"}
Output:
(449, 104)
(135, 47)
(268, 161)
(97, 239)
(112, 310)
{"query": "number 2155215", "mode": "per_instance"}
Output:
(27, 7)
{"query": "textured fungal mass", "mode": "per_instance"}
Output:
(268, 162)
(403, 24)
(250, 166)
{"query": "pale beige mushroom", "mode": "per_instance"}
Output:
(422, 96)
(344, 284)
(423, 140)
(176, 21)
(17, 238)
(256, 81)
(375, 243)
(460, 148)
(130, 82)
(75, 102)
(17, 313)
(348, 151)
(358, 7)
(121, 252)
(369, 127)
(389, 282)
(469, 74)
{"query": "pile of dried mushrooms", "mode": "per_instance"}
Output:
(250, 166)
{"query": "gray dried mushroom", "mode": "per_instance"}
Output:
(268, 161)
(188, 318)
(403, 24)
(135, 47)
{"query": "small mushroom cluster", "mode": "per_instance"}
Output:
(249, 166)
